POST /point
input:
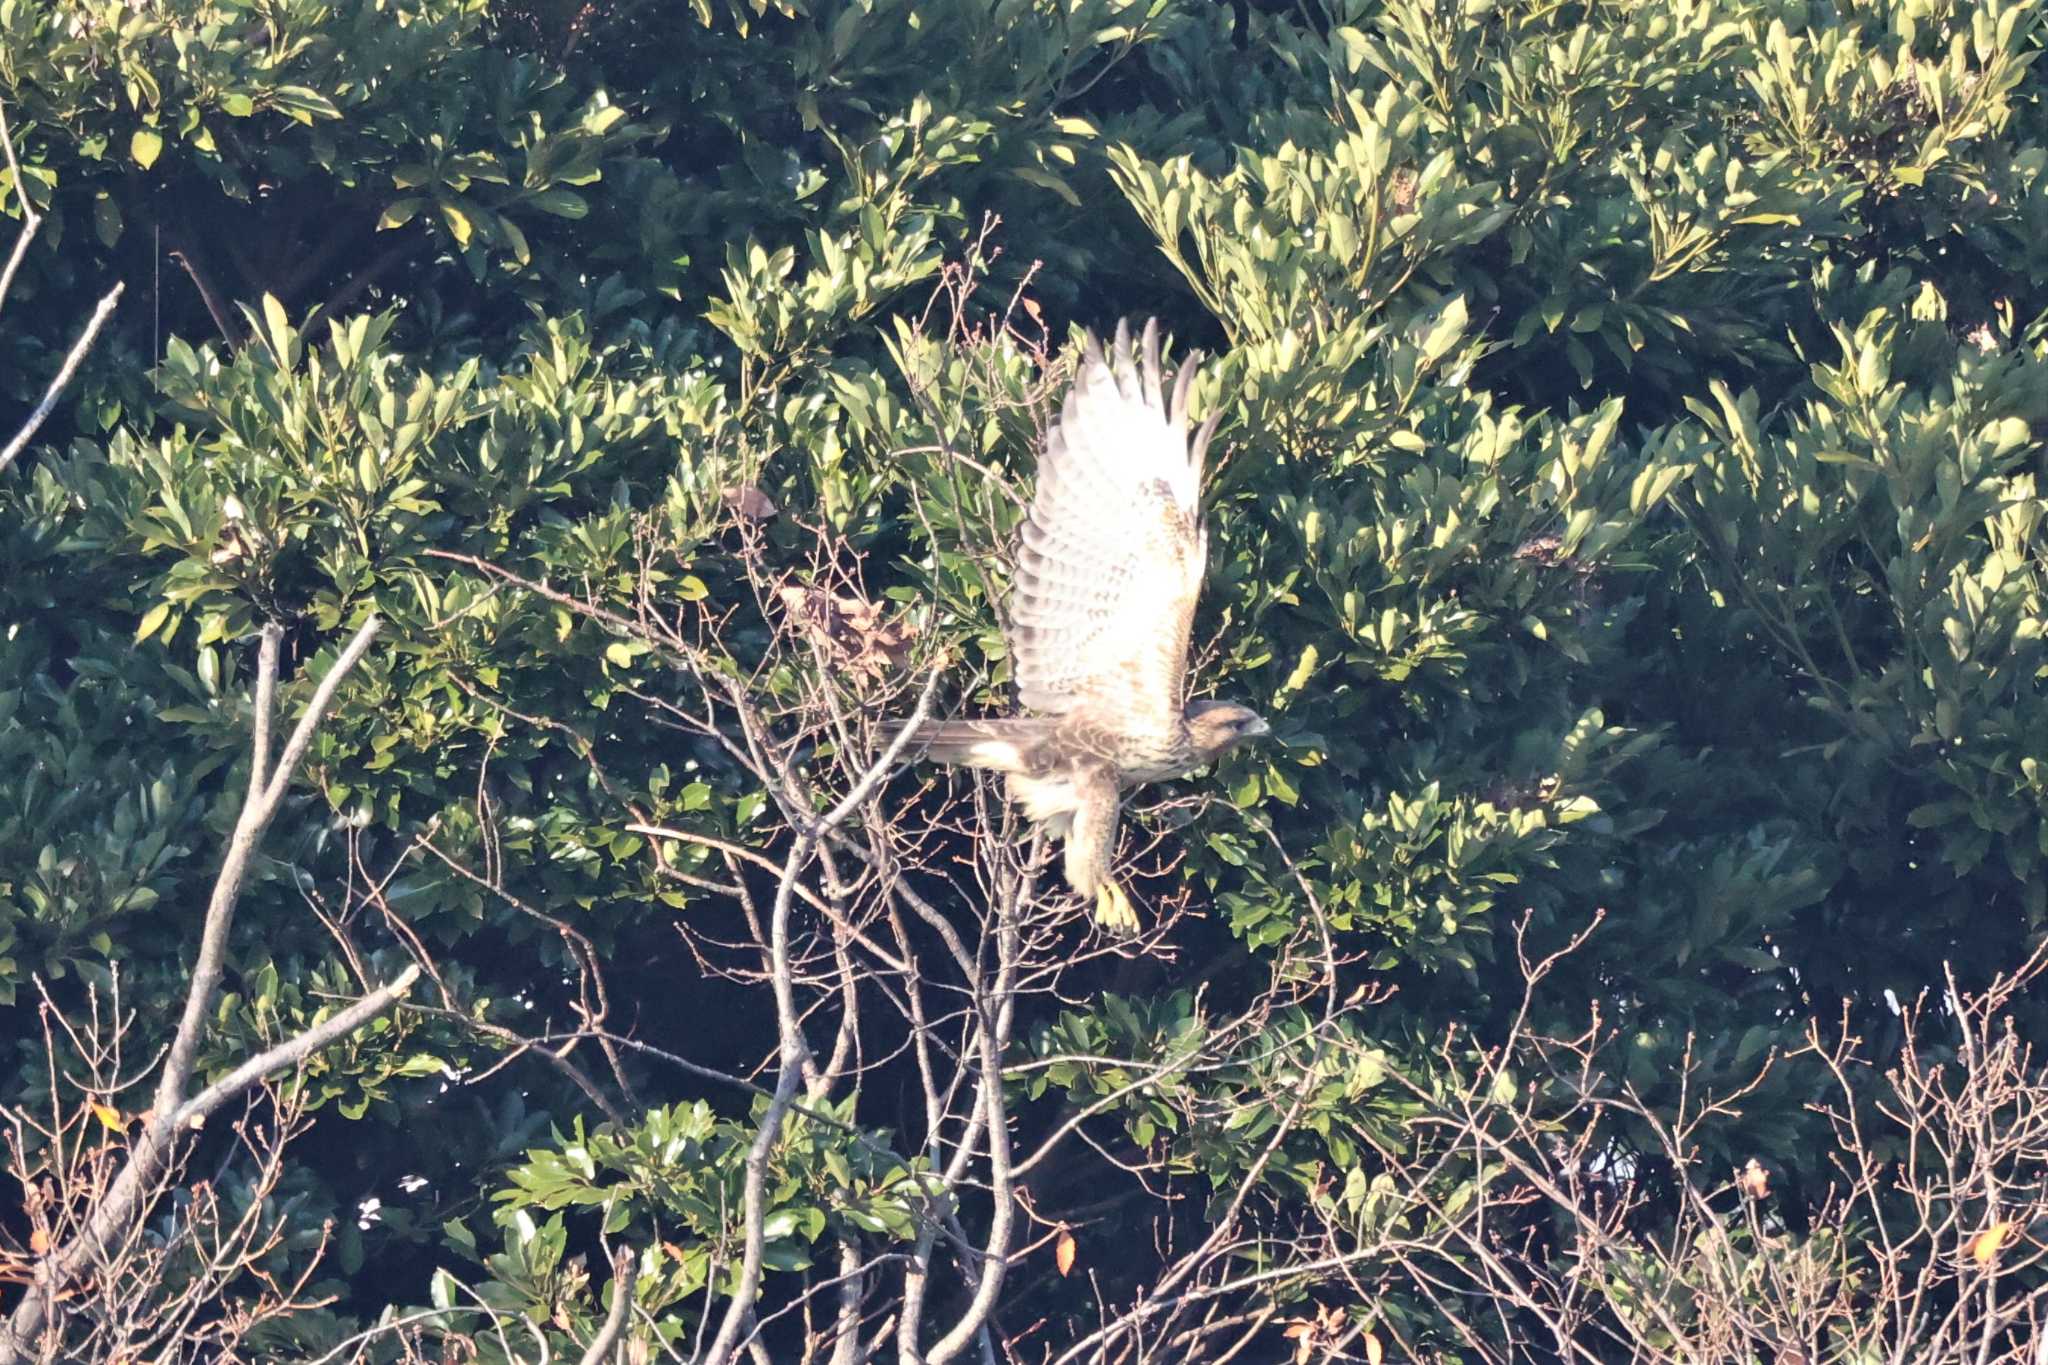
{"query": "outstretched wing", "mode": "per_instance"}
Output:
(1111, 557)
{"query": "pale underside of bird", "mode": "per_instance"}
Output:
(1109, 566)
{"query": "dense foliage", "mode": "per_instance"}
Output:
(1626, 511)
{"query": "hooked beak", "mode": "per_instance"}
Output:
(1258, 729)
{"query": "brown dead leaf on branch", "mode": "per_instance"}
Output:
(1984, 1246)
(1319, 1332)
(851, 631)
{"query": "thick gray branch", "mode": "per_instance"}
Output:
(259, 806)
(30, 219)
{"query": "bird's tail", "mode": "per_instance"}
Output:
(1000, 744)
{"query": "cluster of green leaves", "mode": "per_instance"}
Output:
(680, 1168)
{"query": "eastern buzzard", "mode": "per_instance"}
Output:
(1108, 569)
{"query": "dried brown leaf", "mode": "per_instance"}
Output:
(1984, 1247)
(851, 631)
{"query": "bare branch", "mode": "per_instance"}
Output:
(72, 361)
(259, 807)
(30, 219)
(793, 1050)
(296, 1049)
(624, 1263)
(131, 1191)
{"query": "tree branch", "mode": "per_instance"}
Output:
(130, 1191)
(624, 1263)
(216, 307)
(292, 1051)
(31, 221)
(64, 374)
(793, 1050)
(359, 281)
(259, 807)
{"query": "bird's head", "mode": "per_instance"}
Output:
(1217, 727)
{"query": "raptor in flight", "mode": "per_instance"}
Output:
(1108, 570)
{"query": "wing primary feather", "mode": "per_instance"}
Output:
(1112, 548)
(1148, 373)
(1183, 384)
(1006, 744)
(1198, 449)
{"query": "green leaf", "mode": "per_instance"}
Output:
(514, 239)
(458, 222)
(144, 146)
(278, 327)
(152, 621)
(106, 218)
(560, 202)
(303, 105)
(1031, 175)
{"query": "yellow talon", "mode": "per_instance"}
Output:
(1113, 909)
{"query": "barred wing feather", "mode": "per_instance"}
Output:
(1112, 552)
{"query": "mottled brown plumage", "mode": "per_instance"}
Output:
(1109, 565)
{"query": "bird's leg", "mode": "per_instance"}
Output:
(1113, 909)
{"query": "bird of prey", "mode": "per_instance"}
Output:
(1108, 569)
